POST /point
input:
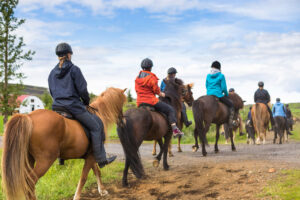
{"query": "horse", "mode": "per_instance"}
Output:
(32, 143)
(280, 129)
(261, 119)
(250, 131)
(188, 98)
(207, 110)
(139, 124)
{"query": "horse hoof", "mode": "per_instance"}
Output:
(166, 167)
(155, 163)
(233, 149)
(216, 151)
(153, 153)
(179, 150)
(171, 155)
(195, 149)
(103, 193)
(125, 184)
(204, 154)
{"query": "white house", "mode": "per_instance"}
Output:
(29, 103)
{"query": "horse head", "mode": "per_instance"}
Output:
(188, 94)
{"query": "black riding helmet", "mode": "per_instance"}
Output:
(146, 64)
(278, 99)
(63, 49)
(172, 70)
(231, 90)
(260, 84)
(216, 64)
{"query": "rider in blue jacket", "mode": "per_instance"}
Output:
(279, 110)
(216, 86)
(68, 89)
(172, 74)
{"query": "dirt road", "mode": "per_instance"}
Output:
(226, 175)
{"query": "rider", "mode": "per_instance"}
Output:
(146, 88)
(68, 89)
(171, 75)
(279, 110)
(232, 91)
(216, 86)
(289, 116)
(262, 96)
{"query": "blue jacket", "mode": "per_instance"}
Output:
(216, 85)
(279, 110)
(68, 88)
(249, 115)
(162, 85)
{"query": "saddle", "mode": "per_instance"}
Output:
(150, 107)
(65, 113)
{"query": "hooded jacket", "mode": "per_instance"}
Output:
(68, 88)
(216, 84)
(279, 110)
(146, 87)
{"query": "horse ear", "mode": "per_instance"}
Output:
(191, 85)
(124, 90)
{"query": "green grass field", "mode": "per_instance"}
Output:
(61, 181)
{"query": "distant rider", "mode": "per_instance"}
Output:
(279, 110)
(240, 121)
(146, 87)
(68, 89)
(216, 86)
(171, 75)
(289, 116)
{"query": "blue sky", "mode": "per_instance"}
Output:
(253, 40)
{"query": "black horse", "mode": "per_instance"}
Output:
(280, 128)
(139, 124)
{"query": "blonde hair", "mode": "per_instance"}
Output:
(62, 60)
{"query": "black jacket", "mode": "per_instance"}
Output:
(68, 88)
(261, 96)
(288, 113)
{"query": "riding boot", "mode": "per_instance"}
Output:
(231, 116)
(186, 122)
(271, 117)
(287, 127)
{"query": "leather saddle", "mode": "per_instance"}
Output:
(65, 113)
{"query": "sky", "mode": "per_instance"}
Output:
(254, 40)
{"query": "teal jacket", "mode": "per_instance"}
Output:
(216, 84)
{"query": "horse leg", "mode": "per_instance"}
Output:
(202, 137)
(88, 164)
(217, 138)
(158, 157)
(154, 148)
(231, 138)
(125, 173)
(264, 137)
(170, 149)
(165, 147)
(97, 173)
(196, 146)
(178, 144)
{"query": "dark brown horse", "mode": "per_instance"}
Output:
(207, 110)
(280, 129)
(189, 99)
(139, 124)
(33, 142)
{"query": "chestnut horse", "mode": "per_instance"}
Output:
(33, 142)
(188, 98)
(139, 124)
(261, 119)
(207, 110)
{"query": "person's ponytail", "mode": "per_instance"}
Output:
(62, 60)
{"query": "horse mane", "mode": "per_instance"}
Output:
(236, 100)
(174, 88)
(109, 105)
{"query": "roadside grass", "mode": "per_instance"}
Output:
(285, 186)
(60, 182)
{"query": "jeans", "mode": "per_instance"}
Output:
(183, 114)
(167, 110)
(226, 101)
(96, 128)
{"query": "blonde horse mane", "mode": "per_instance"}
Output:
(109, 105)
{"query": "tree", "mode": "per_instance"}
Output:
(47, 100)
(12, 56)
(129, 96)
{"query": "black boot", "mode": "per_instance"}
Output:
(188, 123)
(107, 161)
(231, 116)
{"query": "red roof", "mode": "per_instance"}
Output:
(22, 97)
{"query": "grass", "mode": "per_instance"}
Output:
(61, 181)
(285, 186)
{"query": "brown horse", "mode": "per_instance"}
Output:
(207, 110)
(141, 124)
(261, 119)
(33, 142)
(187, 98)
(280, 129)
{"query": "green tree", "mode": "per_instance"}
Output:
(92, 96)
(129, 96)
(12, 56)
(47, 100)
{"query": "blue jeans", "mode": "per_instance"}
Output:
(96, 128)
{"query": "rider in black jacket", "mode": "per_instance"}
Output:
(262, 96)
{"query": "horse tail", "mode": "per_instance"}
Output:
(198, 113)
(17, 173)
(258, 115)
(130, 146)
